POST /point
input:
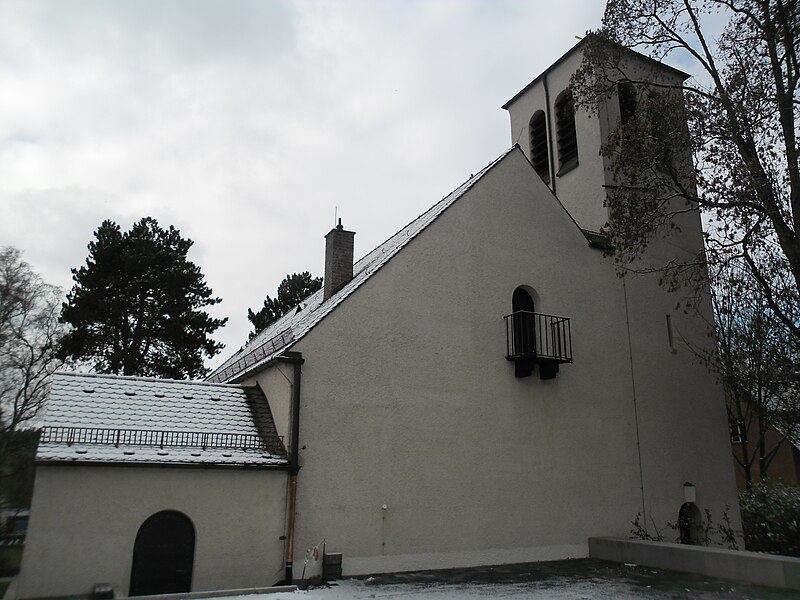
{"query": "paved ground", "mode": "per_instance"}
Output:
(559, 580)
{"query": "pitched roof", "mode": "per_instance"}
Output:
(580, 44)
(292, 326)
(113, 419)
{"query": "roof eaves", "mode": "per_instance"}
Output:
(597, 239)
(278, 466)
(569, 52)
(541, 75)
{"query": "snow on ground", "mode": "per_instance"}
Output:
(576, 579)
(351, 589)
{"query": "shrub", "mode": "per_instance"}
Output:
(771, 518)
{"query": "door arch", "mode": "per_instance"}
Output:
(163, 555)
(690, 524)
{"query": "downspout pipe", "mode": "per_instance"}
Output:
(297, 360)
(551, 159)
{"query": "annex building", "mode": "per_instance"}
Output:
(481, 388)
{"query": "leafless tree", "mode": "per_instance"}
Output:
(29, 333)
(738, 116)
(758, 362)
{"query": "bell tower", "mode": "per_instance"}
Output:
(563, 141)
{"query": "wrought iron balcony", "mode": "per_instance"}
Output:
(535, 338)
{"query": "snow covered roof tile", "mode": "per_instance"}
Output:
(108, 418)
(291, 327)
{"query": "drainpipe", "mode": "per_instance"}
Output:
(550, 156)
(296, 358)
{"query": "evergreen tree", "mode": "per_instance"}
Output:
(137, 305)
(292, 291)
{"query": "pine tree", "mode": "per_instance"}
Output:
(137, 306)
(292, 291)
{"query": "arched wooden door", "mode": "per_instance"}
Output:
(163, 555)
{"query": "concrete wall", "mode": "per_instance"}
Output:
(408, 401)
(752, 567)
(84, 522)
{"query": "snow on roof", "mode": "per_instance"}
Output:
(154, 455)
(109, 418)
(292, 326)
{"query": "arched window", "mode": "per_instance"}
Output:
(537, 130)
(565, 132)
(627, 101)
(163, 555)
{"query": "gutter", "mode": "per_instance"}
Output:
(297, 360)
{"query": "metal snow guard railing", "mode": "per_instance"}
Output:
(260, 352)
(535, 335)
(149, 437)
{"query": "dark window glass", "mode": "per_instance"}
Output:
(627, 101)
(737, 433)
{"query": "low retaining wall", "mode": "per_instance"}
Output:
(275, 589)
(752, 567)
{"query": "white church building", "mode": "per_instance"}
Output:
(481, 388)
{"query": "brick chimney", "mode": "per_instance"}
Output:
(338, 259)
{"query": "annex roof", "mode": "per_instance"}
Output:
(292, 326)
(115, 419)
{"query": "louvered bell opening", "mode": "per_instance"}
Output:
(538, 140)
(565, 132)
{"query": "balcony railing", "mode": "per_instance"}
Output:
(162, 439)
(539, 337)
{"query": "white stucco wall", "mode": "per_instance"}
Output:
(409, 402)
(84, 522)
(276, 383)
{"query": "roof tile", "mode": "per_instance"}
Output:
(83, 402)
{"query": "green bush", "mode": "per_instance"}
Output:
(10, 557)
(771, 518)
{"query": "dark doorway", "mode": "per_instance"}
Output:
(524, 332)
(690, 524)
(163, 555)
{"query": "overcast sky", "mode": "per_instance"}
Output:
(247, 123)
